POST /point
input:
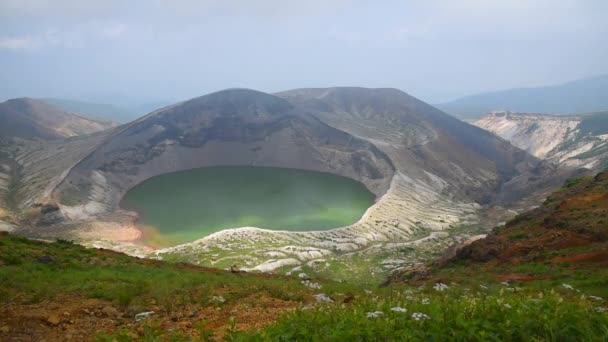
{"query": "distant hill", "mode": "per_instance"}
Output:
(36, 119)
(580, 96)
(96, 110)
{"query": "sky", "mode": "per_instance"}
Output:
(159, 50)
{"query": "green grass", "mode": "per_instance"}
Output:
(473, 314)
(475, 307)
(490, 312)
(115, 277)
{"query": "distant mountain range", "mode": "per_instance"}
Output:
(580, 96)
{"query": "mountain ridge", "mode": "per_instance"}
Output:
(575, 97)
(31, 118)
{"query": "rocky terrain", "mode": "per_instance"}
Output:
(38, 144)
(574, 141)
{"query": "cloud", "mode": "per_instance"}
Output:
(16, 43)
(65, 38)
(111, 31)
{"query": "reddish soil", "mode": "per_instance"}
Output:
(516, 276)
(596, 256)
(73, 318)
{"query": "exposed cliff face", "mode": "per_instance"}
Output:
(575, 141)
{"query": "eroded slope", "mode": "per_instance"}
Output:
(574, 141)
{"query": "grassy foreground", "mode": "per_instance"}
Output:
(62, 291)
(542, 277)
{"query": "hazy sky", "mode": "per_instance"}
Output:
(170, 49)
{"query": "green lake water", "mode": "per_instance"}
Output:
(184, 206)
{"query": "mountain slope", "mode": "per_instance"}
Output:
(581, 96)
(35, 119)
(38, 143)
(418, 137)
(563, 241)
(575, 141)
(568, 234)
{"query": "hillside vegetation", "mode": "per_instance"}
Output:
(564, 240)
(541, 277)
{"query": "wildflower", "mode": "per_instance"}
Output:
(408, 291)
(143, 315)
(508, 306)
(505, 283)
(218, 299)
(567, 287)
(510, 289)
(483, 287)
(419, 316)
(307, 307)
(596, 298)
(308, 283)
(375, 314)
(426, 301)
(323, 298)
(368, 292)
(413, 299)
(303, 275)
(600, 309)
(440, 286)
(398, 309)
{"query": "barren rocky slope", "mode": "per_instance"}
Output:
(232, 127)
(38, 145)
(576, 141)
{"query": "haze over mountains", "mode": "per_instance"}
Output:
(112, 112)
(581, 96)
(30, 118)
